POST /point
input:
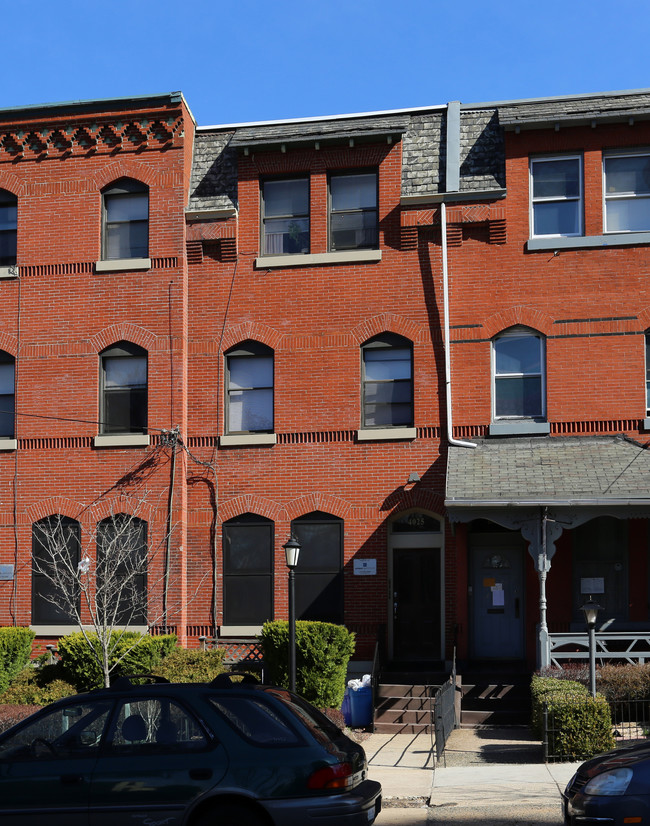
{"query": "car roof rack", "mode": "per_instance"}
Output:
(126, 680)
(224, 680)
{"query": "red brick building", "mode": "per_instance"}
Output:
(254, 324)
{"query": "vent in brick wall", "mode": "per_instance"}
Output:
(70, 268)
(164, 263)
(158, 630)
(471, 431)
(194, 252)
(408, 238)
(428, 432)
(454, 235)
(199, 631)
(228, 249)
(202, 441)
(317, 437)
(56, 444)
(605, 426)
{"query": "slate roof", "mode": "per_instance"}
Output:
(578, 109)
(214, 172)
(549, 470)
(312, 130)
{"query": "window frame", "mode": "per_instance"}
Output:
(306, 178)
(122, 188)
(45, 612)
(519, 331)
(333, 573)
(350, 173)
(386, 341)
(232, 575)
(7, 358)
(579, 198)
(249, 349)
(129, 613)
(626, 196)
(8, 199)
(122, 350)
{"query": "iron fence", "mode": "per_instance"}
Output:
(444, 708)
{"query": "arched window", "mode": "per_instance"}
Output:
(247, 570)
(55, 560)
(123, 389)
(8, 228)
(249, 377)
(319, 575)
(519, 380)
(7, 395)
(125, 220)
(121, 592)
(387, 382)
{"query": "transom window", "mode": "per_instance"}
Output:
(353, 211)
(250, 388)
(387, 382)
(518, 369)
(285, 216)
(556, 196)
(627, 192)
(8, 228)
(125, 220)
(124, 389)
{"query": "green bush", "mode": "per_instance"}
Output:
(15, 648)
(37, 687)
(185, 665)
(322, 654)
(624, 682)
(131, 653)
(541, 688)
(582, 726)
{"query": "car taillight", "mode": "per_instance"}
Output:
(338, 776)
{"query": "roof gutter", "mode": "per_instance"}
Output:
(541, 502)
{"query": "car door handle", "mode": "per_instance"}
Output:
(200, 774)
(71, 779)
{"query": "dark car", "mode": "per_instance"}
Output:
(226, 753)
(612, 788)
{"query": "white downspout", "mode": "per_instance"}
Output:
(445, 292)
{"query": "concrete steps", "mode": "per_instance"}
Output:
(404, 703)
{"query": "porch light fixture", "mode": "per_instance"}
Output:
(590, 610)
(292, 552)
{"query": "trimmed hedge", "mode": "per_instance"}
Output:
(323, 651)
(183, 665)
(15, 648)
(81, 668)
(581, 725)
(624, 682)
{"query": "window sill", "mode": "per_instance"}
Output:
(646, 424)
(240, 630)
(623, 239)
(383, 434)
(8, 444)
(123, 440)
(520, 428)
(64, 630)
(123, 265)
(243, 439)
(9, 272)
(269, 262)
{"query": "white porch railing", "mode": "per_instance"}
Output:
(632, 647)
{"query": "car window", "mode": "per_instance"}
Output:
(74, 730)
(155, 725)
(256, 720)
(320, 726)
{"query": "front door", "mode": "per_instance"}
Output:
(497, 600)
(416, 603)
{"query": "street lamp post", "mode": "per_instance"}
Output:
(590, 609)
(292, 552)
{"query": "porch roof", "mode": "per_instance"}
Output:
(553, 471)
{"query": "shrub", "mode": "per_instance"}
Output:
(15, 648)
(541, 688)
(184, 665)
(582, 726)
(131, 653)
(37, 687)
(322, 654)
(624, 682)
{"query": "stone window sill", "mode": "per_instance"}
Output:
(248, 439)
(268, 262)
(622, 239)
(520, 428)
(240, 630)
(123, 265)
(383, 434)
(123, 440)
(8, 444)
(9, 272)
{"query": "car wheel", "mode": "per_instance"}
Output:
(231, 814)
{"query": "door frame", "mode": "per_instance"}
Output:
(434, 541)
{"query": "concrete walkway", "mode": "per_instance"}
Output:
(495, 765)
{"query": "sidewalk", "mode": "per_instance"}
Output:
(497, 766)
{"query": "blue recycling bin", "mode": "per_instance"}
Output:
(361, 707)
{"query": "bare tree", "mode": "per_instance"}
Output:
(100, 582)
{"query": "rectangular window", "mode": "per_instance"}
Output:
(285, 217)
(556, 196)
(353, 211)
(250, 389)
(518, 376)
(627, 193)
(124, 389)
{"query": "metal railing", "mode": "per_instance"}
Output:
(631, 647)
(444, 710)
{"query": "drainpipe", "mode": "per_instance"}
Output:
(445, 292)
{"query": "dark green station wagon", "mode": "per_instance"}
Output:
(224, 753)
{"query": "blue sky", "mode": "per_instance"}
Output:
(257, 60)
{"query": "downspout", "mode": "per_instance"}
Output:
(452, 184)
(445, 292)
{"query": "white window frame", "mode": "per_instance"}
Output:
(519, 332)
(625, 196)
(249, 349)
(578, 198)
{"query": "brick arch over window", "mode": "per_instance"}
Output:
(417, 497)
(13, 184)
(123, 332)
(518, 316)
(9, 344)
(388, 323)
(251, 504)
(644, 319)
(318, 501)
(125, 168)
(109, 507)
(53, 505)
(252, 331)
